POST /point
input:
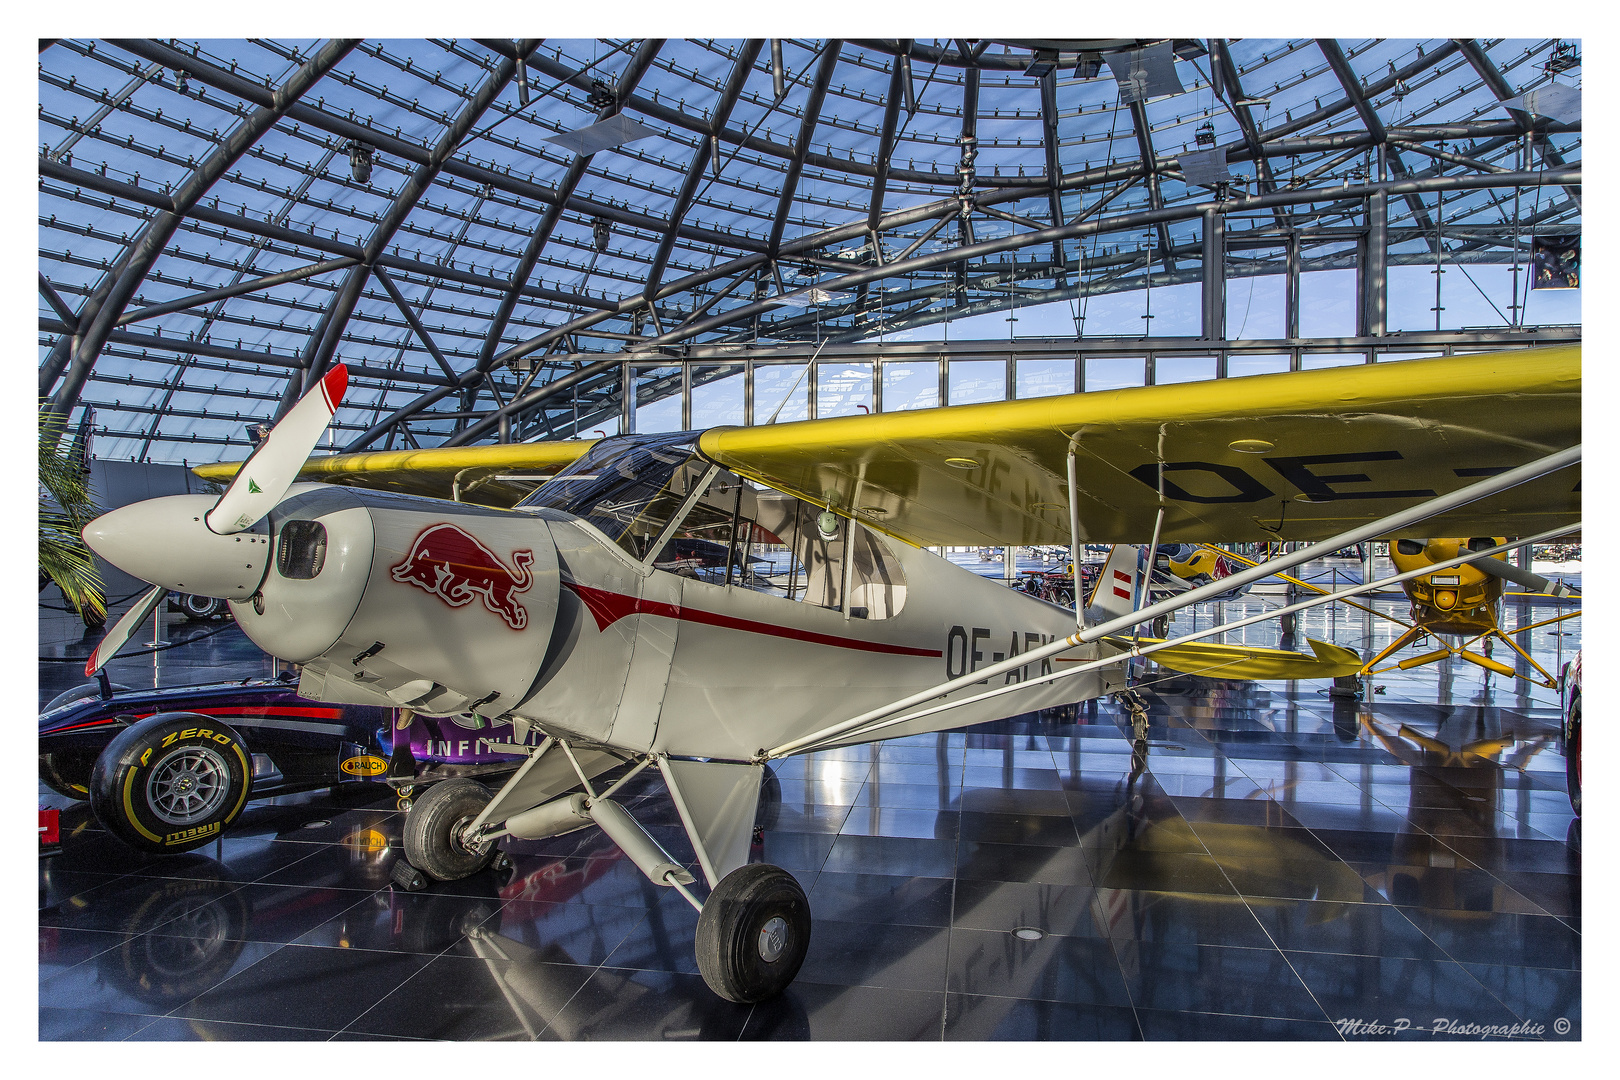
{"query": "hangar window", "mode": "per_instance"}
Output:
(795, 550)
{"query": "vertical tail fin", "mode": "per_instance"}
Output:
(1117, 585)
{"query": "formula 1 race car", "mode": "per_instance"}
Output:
(169, 770)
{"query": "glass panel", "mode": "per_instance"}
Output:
(628, 488)
(877, 587)
(1240, 364)
(1179, 369)
(1411, 298)
(701, 546)
(1044, 378)
(658, 399)
(781, 393)
(1254, 307)
(1384, 357)
(1114, 372)
(1327, 360)
(717, 395)
(801, 562)
(910, 384)
(843, 389)
(1327, 303)
(973, 381)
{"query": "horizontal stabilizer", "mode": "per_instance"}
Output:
(1219, 661)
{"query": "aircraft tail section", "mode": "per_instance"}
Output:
(1117, 586)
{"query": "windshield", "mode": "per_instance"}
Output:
(623, 486)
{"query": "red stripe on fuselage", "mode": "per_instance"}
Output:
(609, 607)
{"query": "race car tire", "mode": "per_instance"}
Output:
(1572, 754)
(172, 782)
(433, 829)
(201, 608)
(753, 933)
(67, 772)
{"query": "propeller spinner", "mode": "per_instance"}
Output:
(192, 544)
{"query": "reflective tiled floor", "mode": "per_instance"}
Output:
(1276, 865)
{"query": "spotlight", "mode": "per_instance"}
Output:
(1562, 59)
(180, 82)
(1088, 66)
(360, 162)
(600, 231)
(1206, 134)
(1041, 65)
(601, 96)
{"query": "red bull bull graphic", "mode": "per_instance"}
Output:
(455, 567)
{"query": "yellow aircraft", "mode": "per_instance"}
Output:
(558, 619)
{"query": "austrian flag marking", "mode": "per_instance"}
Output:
(455, 566)
(1123, 591)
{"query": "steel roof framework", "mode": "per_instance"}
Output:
(207, 246)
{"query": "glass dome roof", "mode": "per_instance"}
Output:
(219, 221)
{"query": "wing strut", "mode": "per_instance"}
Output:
(1381, 527)
(874, 726)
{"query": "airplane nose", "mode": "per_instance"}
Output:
(167, 542)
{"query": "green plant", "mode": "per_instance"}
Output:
(66, 505)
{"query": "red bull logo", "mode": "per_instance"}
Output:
(455, 567)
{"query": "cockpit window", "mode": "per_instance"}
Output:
(629, 487)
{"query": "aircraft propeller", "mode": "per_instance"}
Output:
(192, 544)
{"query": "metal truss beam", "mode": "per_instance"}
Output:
(318, 353)
(1220, 59)
(701, 159)
(239, 289)
(415, 323)
(101, 311)
(801, 149)
(1054, 168)
(1498, 85)
(65, 313)
(1150, 165)
(891, 120)
(634, 70)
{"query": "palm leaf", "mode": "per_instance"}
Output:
(66, 505)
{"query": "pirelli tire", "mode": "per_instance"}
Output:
(171, 782)
(434, 825)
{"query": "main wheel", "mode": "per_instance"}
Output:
(171, 782)
(753, 933)
(201, 608)
(433, 830)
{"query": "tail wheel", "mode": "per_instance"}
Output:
(753, 933)
(172, 782)
(434, 825)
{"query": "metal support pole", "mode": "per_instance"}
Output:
(1377, 269)
(1074, 537)
(1214, 321)
(1292, 300)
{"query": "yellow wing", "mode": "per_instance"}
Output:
(476, 473)
(1218, 661)
(1297, 456)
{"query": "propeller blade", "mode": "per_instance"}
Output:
(1531, 581)
(122, 629)
(267, 474)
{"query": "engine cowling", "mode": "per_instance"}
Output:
(394, 600)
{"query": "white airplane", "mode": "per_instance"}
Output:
(555, 617)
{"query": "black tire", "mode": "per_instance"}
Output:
(1572, 753)
(172, 782)
(201, 608)
(434, 823)
(68, 772)
(753, 933)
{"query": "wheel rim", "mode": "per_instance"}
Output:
(773, 939)
(189, 785)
